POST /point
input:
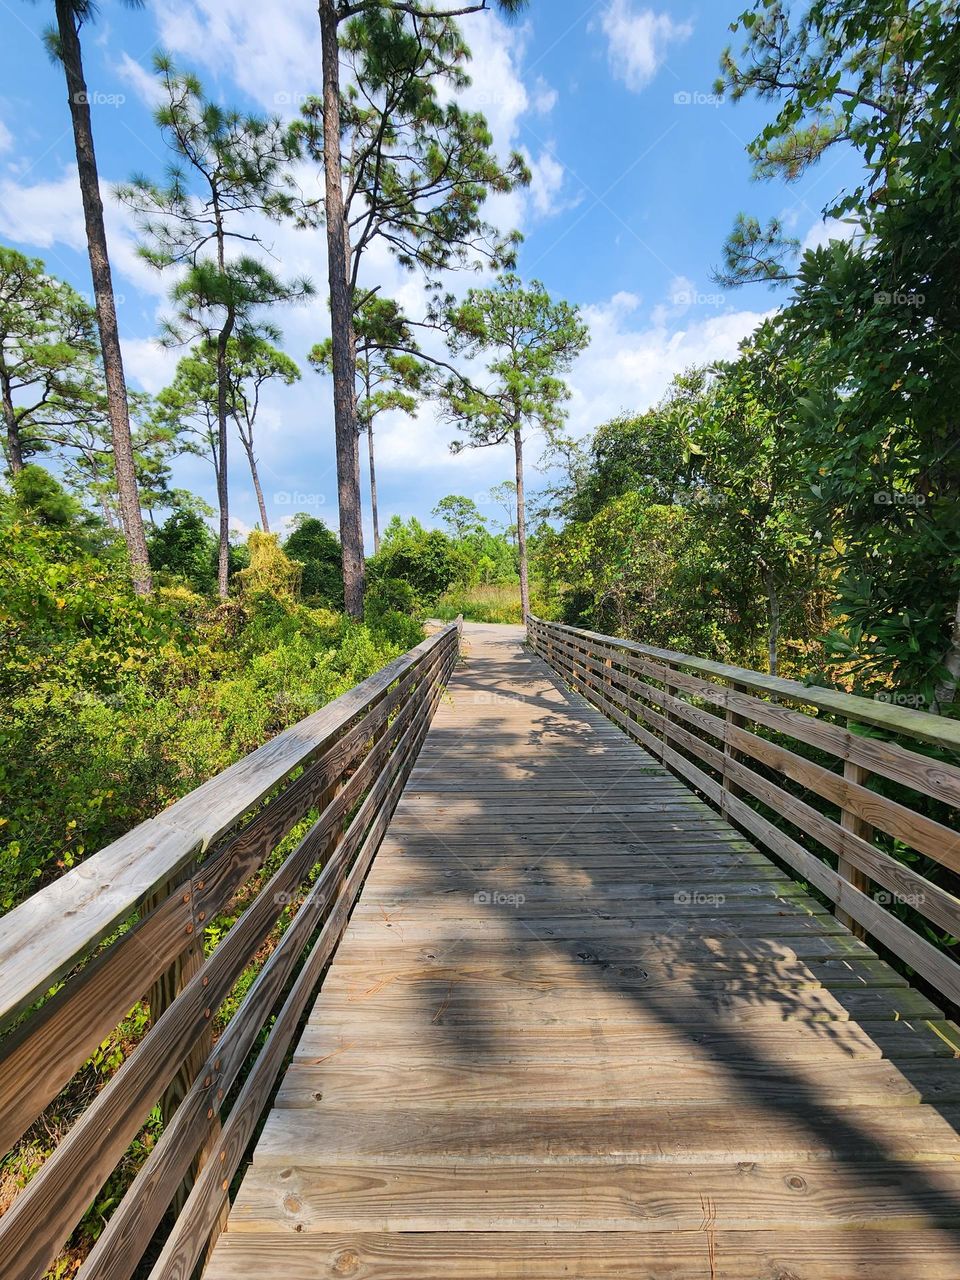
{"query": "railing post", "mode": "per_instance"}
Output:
(667, 718)
(161, 996)
(857, 826)
(730, 756)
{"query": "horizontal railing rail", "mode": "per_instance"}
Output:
(130, 922)
(725, 730)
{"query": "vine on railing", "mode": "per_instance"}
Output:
(153, 895)
(799, 768)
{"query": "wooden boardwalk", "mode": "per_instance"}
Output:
(579, 1027)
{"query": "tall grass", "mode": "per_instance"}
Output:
(500, 603)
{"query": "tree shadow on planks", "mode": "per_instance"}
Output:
(700, 976)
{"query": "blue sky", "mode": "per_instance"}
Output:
(638, 175)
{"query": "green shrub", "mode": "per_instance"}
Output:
(184, 549)
(425, 560)
(317, 549)
(113, 706)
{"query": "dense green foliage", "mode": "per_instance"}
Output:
(874, 316)
(800, 502)
(793, 508)
(318, 551)
(470, 569)
(113, 705)
(689, 527)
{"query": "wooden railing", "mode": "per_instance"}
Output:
(725, 730)
(129, 923)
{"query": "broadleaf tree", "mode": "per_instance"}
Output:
(754, 492)
(874, 315)
(461, 515)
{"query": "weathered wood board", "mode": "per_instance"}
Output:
(578, 1026)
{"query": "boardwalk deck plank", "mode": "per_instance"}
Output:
(579, 1026)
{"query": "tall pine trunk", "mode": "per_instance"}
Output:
(123, 461)
(341, 321)
(223, 411)
(373, 490)
(14, 445)
(257, 487)
(521, 528)
(223, 497)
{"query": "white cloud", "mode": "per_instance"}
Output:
(628, 365)
(48, 213)
(43, 213)
(149, 363)
(6, 138)
(544, 97)
(636, 41)
(271, 51)
(547, 176)
(827, 229)
(144, 84)
(497, 87)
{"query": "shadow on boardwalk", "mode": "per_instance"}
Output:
(578, 1026)
(715, 980)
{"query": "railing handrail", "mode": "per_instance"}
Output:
(921, 725)
(43, 937)
(700, 719)
(356, 754)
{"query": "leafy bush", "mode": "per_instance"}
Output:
(184, 548)
(426, 560)
(317, 549)
(113, 706)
